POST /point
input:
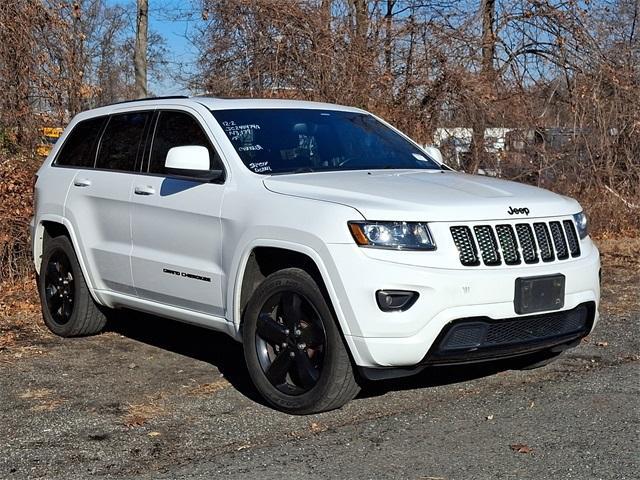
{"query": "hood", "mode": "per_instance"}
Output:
(429, 195)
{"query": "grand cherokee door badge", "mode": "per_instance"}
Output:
(186, 275)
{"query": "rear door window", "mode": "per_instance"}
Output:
(178, 129)
(122, 143)
(79, 149)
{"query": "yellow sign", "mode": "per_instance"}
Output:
(49, 137)
(52, 132)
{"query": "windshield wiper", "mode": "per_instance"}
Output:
(297, 170)
(304, 170)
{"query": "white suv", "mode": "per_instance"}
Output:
(327, 242)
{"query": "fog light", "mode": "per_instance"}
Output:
(395, 300)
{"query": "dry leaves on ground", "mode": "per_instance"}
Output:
(139, 414)
(42, 399)
(208, 388)
(18, 297)
(317, 427)
(620, 274)
(521, 448)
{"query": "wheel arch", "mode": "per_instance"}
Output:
(261, 258)
(54, 226)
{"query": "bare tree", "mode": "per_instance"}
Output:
(561, 75)
(558, 73)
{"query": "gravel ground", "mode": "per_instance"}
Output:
(154, 399)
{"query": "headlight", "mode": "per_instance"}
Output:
(581, 224)
(393, 235)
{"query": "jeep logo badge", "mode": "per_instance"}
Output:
(517, 211)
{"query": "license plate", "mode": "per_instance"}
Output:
(538, 294)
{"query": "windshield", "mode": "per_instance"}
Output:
(304, 140)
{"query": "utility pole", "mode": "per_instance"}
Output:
(140, 52)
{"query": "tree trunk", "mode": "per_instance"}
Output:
(323, 51)
(488, 36)
(361, 24)
(388, 39)
(140, 52)
(77, 63)
(359, 53)
(478, 150)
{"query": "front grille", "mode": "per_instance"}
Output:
(527, 242)
(512, 245)
(478, 338)
(559, 241)
(508, 244)
(463, 239)
(487, 244)
(572, 238)
(544, 242)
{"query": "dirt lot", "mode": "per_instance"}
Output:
(155, 399)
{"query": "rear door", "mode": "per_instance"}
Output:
(175, 223)
(98, 201)
(77, 153)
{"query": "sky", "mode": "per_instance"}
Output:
(173, 20)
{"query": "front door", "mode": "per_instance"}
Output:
(176, 228)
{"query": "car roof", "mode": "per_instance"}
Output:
(215, 103)
(241, 103)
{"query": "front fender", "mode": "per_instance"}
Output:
(320, 256)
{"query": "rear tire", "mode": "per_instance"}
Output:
(67, 306)
(293, 347)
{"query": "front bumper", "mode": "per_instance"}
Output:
(473, 340)
(403, 339)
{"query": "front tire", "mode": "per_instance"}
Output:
(293, 347)
(67, 306)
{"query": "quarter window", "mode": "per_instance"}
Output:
(79, 149)
(178, 129)
(123, 141)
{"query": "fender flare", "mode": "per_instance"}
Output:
(234, 292)
(38, 247)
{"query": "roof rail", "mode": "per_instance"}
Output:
(148, 98)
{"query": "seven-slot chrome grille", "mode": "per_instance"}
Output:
(514, 244)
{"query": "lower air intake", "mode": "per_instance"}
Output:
(470, 339)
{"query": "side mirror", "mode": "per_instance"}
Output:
(191, 161)
(434, 152)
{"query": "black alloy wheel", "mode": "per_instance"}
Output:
(290, 342)
(59, 287)
(295, 352)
